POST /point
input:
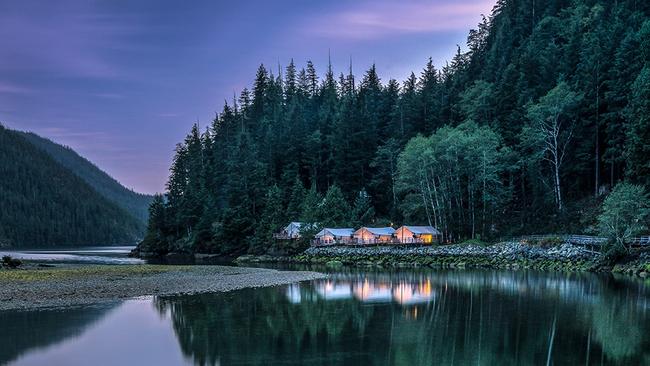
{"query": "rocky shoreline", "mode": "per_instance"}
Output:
(510, 255)
(81, 285)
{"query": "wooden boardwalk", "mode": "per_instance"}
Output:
(584, 240)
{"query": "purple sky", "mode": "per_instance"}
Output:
(122, 81)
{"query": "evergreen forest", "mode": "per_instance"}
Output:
(525, 130)
(43, 204)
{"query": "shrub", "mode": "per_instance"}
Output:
(613, 251)
(474, 242)
(550, 242)
(624, 214)
(10, 262)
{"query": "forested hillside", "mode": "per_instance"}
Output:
(135, 203)
(525, 132)
(44, 204)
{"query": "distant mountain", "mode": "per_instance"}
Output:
(136, 204)
(43, 203)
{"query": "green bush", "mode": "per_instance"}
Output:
(624, 214)
(613, 251)
(10, 262)
(550, 242)
(474, 242)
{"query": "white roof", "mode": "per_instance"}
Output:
(380, 230)
(293, 225)
(418, 230)
(335, 232)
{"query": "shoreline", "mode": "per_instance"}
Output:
(565, 257)
(37, 288)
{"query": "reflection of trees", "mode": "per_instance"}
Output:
(488, 318)
(22, 331)
(255, 326)
(617, 324)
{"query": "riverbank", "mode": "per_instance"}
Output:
(37, 287)
(564, 257)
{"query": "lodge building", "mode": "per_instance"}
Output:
(423, 235)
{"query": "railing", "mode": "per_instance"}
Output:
(361, 242)
(585, 240)
(327, 243)
(284, 236)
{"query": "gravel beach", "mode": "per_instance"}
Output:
(80, 285)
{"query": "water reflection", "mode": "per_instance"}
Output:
(420, 318)
(23, 332)
(402, 292)
(360, 318)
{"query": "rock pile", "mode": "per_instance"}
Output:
(508, 251)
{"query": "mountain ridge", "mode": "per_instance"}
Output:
(44, 204)
(137, 204)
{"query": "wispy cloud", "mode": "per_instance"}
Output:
(9, 88)
(378, 19)
(58, 133)
(74, 43)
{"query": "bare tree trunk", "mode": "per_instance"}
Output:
(484, 199)
(424, 201)
(433, 208)
(597, 182)
(557, 187)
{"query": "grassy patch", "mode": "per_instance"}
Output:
(86, 272)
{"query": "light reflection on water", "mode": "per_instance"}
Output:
(86, 255)
(354, 317)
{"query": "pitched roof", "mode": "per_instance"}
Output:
(336, 232)
(380, 230)
(419, 230)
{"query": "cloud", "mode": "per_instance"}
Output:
(8, 88)
(75, 42)
(378, 19)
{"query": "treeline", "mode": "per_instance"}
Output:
(44, 204)
(525, 132)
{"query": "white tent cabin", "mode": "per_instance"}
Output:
(417, 235)
(290, 232)
(331, 236)
(374, 235)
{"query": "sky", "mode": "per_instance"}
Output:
(121, 81)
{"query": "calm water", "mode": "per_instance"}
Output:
(85, 255)
(355, 318)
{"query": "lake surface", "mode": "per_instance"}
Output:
(408, 317)
(85, 255)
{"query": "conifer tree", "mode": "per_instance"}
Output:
(334, 211)
(362, 212)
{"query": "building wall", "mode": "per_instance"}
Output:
(404, 235)
(364, 235)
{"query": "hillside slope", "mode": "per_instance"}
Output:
(44, 204)
(135, 203)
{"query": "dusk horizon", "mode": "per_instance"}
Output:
(131, 80)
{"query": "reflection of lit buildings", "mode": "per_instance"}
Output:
(293, 293)
(371, 292)
(406, 293)
(334, 291)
